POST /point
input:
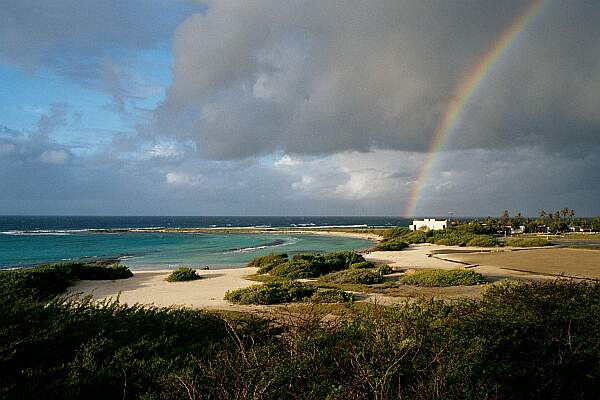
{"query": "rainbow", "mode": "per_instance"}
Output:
(463, 94)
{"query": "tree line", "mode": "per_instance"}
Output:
(558, 221)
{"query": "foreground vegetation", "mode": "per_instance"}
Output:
(521, 340)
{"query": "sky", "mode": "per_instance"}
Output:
(269, 107)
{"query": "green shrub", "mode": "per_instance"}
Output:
(415, 237)
(313, 266)
(393, 238)
(268, 262)
(385, 269)
(405, 235)
(183, 274)
(102, 272)
(392, 233)
(361, 276)
(444, 278)
(483, 241)
(39, 283)
(331, 296)
(451, 237)
(342, 259)
(528, 242)
(47, 281)
(392, 245)
(296, 269)
(272, 292)
(362, 265)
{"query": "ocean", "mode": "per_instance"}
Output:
(33, 240)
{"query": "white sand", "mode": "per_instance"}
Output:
(150, 287)
(416, 256)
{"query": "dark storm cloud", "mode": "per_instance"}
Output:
(324, 77)
(296, 107)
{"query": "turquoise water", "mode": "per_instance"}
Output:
(161, 250)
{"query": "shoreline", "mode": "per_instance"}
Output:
(325, 231)
(149, 287)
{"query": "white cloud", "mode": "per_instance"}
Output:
(164, 151)
(287, 161)
(54, 156)
(178, 178)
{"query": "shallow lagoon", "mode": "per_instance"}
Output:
(159, 250)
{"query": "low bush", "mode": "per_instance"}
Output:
(528, 242)
(362, 265)
(266, 263)
(296, 269)
(385, 269)
(444, 278)
(394, 237)
(313, 266)
(101, 272)
(483, 241)
(47, 281)
(183, 274)
(451, 237)
(272, 292)
(331, 296)
(392, 233)
(360, 276)
(404, 234)
(392, 245)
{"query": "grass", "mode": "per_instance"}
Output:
(581, 236)
(443, 278)
(183, 274)
(483, 241)
(528, 242)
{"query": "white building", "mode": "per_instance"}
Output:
(517, 231)
(429, 224)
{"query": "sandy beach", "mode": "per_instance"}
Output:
(150, 287)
